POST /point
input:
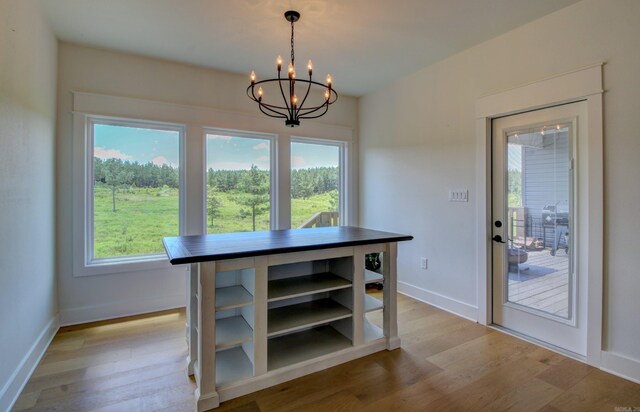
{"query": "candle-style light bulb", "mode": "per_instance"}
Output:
(294, 100)
(310, 67)
(279, 62)
(327, 94)
(260, 93)
(253, 77)
(329, 80)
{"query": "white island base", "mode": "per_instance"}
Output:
(255, 322)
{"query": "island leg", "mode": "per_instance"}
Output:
(390, 315)
(192, 317)
(206, 395)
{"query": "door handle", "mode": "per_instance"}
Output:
(498, 238)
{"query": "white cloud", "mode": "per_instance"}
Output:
(261, 146)
(160, 160)
(218, 137)
(102, 153)
(263, 162)
(298, 162)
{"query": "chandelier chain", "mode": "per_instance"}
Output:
(292, 55)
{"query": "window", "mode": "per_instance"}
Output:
(133, 190)
(239, 182)
(317, 176)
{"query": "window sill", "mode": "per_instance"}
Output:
(134, 264)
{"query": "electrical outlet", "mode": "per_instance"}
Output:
(424, 262)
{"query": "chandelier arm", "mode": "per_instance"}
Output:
(305, 96)
(266, 106)
(302, 109)
(307, 112)
(326, 109)
(275, 108)
(252, 96)
(296, 80)
(279, 116)
(282, 91)
(271, 108)
(336, 96)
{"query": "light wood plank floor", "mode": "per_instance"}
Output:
(445, 364)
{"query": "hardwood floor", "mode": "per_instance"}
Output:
(446, 363)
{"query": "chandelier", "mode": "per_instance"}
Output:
(291, 108)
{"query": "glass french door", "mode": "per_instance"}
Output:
(537, 290)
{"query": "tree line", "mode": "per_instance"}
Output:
(116, 172)
(248, 188)
(120, 173)
(514, 184)
(304, 182)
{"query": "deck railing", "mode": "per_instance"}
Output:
(523, 228)
(321, 219)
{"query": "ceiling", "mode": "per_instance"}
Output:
(362, 43)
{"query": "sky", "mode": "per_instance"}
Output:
(305, 155)
(136, 144)
(223, 152)
(234, 153)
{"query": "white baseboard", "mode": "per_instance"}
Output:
(20, 376)
(439, 301)
(621, 366)
(118, 309)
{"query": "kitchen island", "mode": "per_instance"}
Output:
(268, 307)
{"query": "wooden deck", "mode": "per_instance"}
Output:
(542, 283)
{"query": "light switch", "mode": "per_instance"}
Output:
(458, 195)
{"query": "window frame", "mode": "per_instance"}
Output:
(85, 264)
(343, 174)
(273, 171)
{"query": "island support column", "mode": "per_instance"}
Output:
(206, 395)
(390, 315)
(192, 317)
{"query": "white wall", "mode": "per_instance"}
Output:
(417, 142)
(27, 133)
(93, 70)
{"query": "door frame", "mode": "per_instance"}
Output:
(579, 85)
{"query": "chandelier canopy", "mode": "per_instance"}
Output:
(291, 108)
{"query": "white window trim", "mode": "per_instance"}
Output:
(84, 263)
(197, 119)
(343, 176)
(273, 187)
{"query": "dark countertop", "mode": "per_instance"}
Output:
(201, 248)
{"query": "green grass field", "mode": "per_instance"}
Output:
(144, 216)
